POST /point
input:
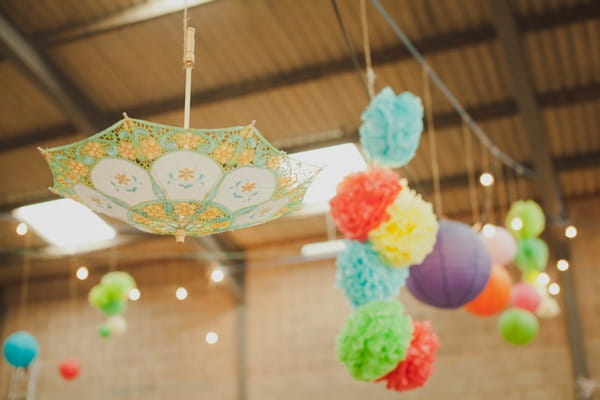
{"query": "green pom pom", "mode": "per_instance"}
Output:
(518, 326)
(531, 217)
(114, 307)
(98, 297)
(117, 284)
(532, 255)
(374, 340)
(103, 331)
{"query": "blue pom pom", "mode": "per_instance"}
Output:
(20, 349)
(392, 127)
(364, 277)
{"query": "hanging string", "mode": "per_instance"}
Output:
(435, 170)
(487, 193)
(189, 60)
(473, 197)
(500, 191)
(25, 278)
(370, 74)
(113, 260)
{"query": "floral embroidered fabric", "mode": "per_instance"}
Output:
(168, 180)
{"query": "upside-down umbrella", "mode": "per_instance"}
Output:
(180, 181)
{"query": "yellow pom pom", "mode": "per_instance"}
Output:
(408, 236)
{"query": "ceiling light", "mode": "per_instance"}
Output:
(337, 162)
(554, 289)
(65, 223)
(489, 230)
(562, 265)
(212, 338)
(516, 223)
(217, 275)
(571, 231)
(322, 249)
(542, 279)
(22, 229)
(134, 294)
(82, 273)
(181, 293)
(486, 179)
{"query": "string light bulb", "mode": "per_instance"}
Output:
(570, 231)
(22, 229)
(516, 223)
(217, 275)
(542, 279)
(212, 338)
(554, 289)
(488, 230)
(134, 294)
(562, 265)
(82, 273)
(181, 293)
(486, 179)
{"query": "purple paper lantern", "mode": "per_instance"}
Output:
(455, 272)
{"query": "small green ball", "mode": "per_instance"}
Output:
(531, 216)
(517, 326)
(117, 284)
(98, 297)
(103, 331)
(374, 340)
(532, 255)
(114, 307)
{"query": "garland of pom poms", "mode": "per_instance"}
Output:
(388, 227)
(110, 297)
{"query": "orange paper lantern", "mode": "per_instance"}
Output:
(495, 296)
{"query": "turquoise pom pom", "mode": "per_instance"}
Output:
(20, 349)
(392, 127)
(363, 276)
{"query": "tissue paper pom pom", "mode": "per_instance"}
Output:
(409, 234)
(495, 295)
(525, 296)
(517, 326)
(20, 349)
(361, 201)
(364, 277)
(548, 307)
(417, 367)
(532, 254)
(532, 219)
(374, 340)
(392, 127)
(117, 284)
(500, 243)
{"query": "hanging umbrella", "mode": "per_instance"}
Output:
(180, 181)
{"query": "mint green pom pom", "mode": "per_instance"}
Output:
(374, 340)
(532, 255)
(117, 284)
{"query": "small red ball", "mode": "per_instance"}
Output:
(362, 200)
(69, 369)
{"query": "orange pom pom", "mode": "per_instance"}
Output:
(362, 199)
(495, 296)
(417, 367)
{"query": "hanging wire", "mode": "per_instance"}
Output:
(370, 74)
(465, 116)
(25, 278)
(435, 170)
(473, 196)
(501, 191)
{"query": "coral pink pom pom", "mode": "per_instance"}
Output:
(417, 367)
(362, 199)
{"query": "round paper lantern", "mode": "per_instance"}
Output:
(495, 296)
(517, 326)
(500, 243)
(548, 308)
(69, 369)
(364, 277)
(116, 325)
(374, 340)
(525, 296)
(20, 349)
(409, 234)
(525, 219)
(417, 367)
(532, 255)
(455, 272)
(361, 201)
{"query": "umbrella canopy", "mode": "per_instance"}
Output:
(176, 181)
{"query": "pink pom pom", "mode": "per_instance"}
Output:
(361, 201)
(417, 367)
(524, 295)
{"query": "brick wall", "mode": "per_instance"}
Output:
(293, 315)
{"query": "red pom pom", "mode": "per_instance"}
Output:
(361, 201)
(69, 369)
(417, 367)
